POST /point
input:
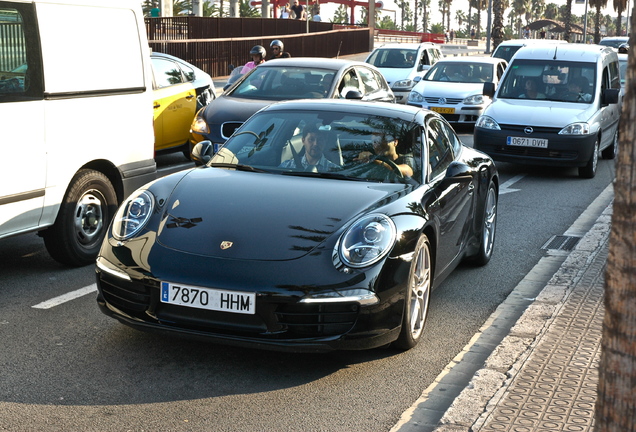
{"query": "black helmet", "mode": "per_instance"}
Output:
(623, 48)
(277, 43)
(257, 49)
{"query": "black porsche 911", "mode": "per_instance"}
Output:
(318, 226)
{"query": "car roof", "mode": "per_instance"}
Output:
(524, 42)
(571, 52)
(406, 112)
(471, 59)
(407, 45)
(313, 62)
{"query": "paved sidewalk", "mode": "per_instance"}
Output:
(543, 376)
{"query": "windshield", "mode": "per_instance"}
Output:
(460, 72)
(550, 80)
(394, 58)
(284, 83)
(614, 43)
(326, 144)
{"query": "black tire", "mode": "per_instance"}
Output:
(612, 150)
(488, 228)
(589, 170)
(86, 211)
(418, 296)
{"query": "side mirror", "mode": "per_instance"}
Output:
(353, 94)
(457, 173)
(202, 152)
(417, 79)
(609, 96)
(489, 89)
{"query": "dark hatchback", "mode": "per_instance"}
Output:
(253, 249)
(287, 79)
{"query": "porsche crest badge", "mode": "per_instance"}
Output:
(226, 244)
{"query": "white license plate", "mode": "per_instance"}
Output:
(527, 142)
(208, 298)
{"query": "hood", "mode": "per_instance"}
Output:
(396, 74)
(448, 89)
(539, 112)
(261, 216)
(230, 109)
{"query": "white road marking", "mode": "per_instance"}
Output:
(505, 187)
(56, 301)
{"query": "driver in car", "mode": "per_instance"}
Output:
(385, 154)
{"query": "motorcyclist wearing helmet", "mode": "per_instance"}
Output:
(277, 50)
(258, 54)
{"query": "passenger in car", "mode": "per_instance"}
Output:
(532, 90)
(313, 159)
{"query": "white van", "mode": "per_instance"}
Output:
(507, 49)
(556, 105)
(404, 64)
(76, 112)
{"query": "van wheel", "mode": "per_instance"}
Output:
(85, 213)
(612, 150)
(418, 294)
(589, 170)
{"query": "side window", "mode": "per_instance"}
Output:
(349, 82)
(20, 66)
(188, 72)
(425, 58)
(166, 73)
(440, 149)
(369, 80)
(605, 83)
(615, 75)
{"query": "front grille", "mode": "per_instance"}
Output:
(317, 319)
(519, 129)
(449, 101)
(228, 128)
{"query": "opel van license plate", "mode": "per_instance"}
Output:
(527, 142)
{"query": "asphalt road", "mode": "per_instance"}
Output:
(66, 367)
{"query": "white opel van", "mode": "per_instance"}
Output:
(557, 105)
(76, 112)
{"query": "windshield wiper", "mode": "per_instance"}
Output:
(239, 167)
(329, 175)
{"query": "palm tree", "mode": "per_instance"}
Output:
(498, 9)
(598, 4)
(619, 6)
(448, 13)
(341, 16)
(247, 11)
(567, 19)
(615, 409)
(551, 11)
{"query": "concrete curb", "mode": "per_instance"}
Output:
(475, 403)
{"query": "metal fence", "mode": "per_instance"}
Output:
(197, 41)
(12, 46)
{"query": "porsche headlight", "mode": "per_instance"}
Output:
(405, 83)
(576, 129)
(133, 214)
(487, 123)
(474, 100)
(416, 97)
(367, 240)
(199, 125)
